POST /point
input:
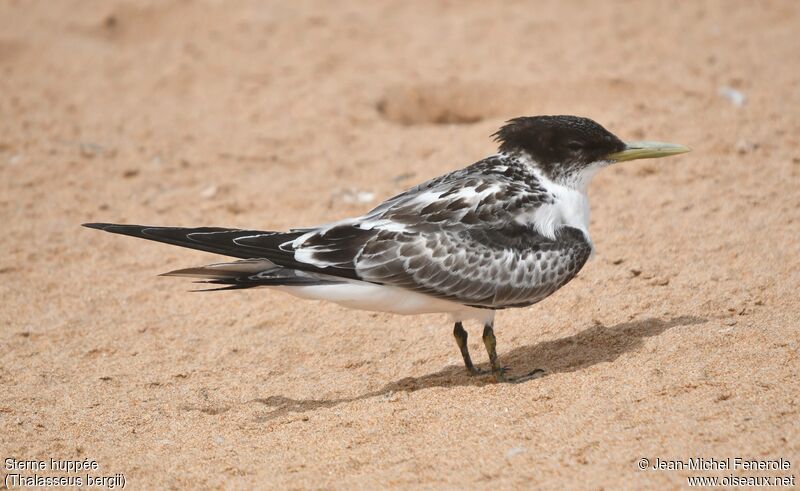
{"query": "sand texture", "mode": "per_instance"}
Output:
(678, 339)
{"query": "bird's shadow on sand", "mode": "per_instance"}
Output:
(594, 345)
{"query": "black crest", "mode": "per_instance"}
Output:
(558, 144)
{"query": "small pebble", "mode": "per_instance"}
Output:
(403, 177)
(735, 97)
(90, 150)
(356, 196)
(209, 192)
(744, 147)
(513, 452)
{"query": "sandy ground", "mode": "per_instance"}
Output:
(678, 340)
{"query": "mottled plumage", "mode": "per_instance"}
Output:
(507, 231)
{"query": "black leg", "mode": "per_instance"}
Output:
(491, 348)
(461, 339)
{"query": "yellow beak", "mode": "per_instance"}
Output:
(647, 150)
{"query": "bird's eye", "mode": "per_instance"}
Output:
(575, 146)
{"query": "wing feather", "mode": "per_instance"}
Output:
(483, 273)
(456, 237)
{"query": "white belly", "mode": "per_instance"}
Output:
(380, 298)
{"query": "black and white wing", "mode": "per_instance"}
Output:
(457, 237)
(462, 237)
(492, 268)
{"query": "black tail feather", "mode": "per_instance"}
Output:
(253, 271)
(239, 243)
(217, 240)
(241, 282)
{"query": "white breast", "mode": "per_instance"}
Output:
(570, 208)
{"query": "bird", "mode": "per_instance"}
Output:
(505, 232)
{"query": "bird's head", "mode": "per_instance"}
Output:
(569, 150)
